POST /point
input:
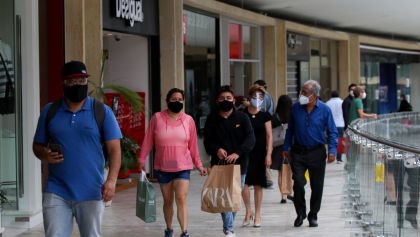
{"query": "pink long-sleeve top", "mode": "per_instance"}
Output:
(175, 143)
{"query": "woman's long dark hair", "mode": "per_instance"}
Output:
(284, 105)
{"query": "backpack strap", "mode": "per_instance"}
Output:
(98, 108)
(99, 111)
(52, 110)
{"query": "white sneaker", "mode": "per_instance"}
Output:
(230, 234)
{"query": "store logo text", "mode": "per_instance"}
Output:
(130, 10)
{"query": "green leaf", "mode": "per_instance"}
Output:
(131, 97)
(129, 148)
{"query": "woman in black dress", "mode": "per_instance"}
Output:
(260, 156)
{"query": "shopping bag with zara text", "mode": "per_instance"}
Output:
(146, 200)
(222, 190)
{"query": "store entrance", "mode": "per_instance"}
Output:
(126, 66)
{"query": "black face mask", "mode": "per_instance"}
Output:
(225, 105)
(75, 93)
(175, 106)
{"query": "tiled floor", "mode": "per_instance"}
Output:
(277, 219)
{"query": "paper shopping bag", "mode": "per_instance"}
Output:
(222, 190)
(269, 177)
(286, 178)
(146, 200)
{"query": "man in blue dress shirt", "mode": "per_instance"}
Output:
(311, 126)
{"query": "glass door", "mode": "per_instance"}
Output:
(9, 191)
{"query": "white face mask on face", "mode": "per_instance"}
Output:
(304, 100)
(257, 103)
(364, 95)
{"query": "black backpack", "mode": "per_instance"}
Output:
(99, 112)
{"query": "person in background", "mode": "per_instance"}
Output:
(280, 119)
(311, 126)
(335, 104)
(346, 105)
(244, 103)
(268, 105)
(356, 108)
(173, 135)
(228, 136)
(405, 106)
(413, 172)
(260, 156)
(71, 143)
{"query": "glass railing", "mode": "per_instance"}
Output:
(383, 176)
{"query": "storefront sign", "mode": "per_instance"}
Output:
(130, 10)
(139, 17)
(132, 124)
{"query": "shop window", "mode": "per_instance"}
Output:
(201, 62)
(9, 112)
(235, 41)
(369, 78)
(244, 61)
(324, 65)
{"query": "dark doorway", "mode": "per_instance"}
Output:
(387, 88)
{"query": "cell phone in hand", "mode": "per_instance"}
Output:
(55, 148)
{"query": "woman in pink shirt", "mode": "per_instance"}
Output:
(173, 134)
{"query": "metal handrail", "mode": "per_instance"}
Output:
(384, 141)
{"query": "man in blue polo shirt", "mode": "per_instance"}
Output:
(76, 187)
(311, 126)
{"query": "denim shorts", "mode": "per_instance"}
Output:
(167, 177)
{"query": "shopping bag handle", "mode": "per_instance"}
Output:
(221, 162)
(143, 177)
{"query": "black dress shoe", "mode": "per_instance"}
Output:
(413, 222)
(299, 220)
(312, 222)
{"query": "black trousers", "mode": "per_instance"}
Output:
(411, 176)
(314, 161)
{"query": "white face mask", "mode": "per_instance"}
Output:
(303, 100)
(351, 93)
(257, 103)
(364, 95)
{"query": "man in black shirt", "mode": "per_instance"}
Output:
(346, 105)
(228, 136)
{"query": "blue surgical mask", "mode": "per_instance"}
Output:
(257, 103)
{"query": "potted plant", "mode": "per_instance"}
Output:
(129, 151)
(137, 104)
(129, 147)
